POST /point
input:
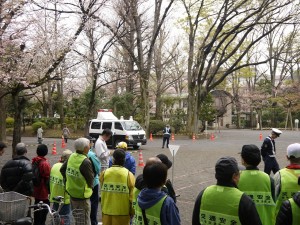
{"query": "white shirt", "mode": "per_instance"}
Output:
(102, 151)
(40, 133)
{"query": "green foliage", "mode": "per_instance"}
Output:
(156, 126)
(122, 105)
(35, 126)
(207, 109)
(50, 122)
(9, 122)
(177, 120)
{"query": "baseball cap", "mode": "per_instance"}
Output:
(225, 168)
(165, 160)
(122, 145)
(293, 150)
(251, 154)
(276, 131)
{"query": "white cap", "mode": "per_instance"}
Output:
(293, 150)
(276, 131)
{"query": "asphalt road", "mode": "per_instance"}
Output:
(194, 162)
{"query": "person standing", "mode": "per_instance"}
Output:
(41, 190)
(289, 213)
(66, 133)
(166, 135)
(224, 202)
(57, 188)
(154, 205)
(129, 159)
(101, 149)
(95, 195)
(40, 135)
(256, 184)
(268, 152)
(117, 185)
(286, 180)
(2, 147)
(79, 176)
(16, 174)
(168, 187)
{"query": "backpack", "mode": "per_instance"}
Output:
(36, 179)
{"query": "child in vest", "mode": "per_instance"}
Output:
(153, 204)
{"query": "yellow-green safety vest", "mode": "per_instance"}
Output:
(295, 212)
(76, 184)
(152, 214)
(220, 205)
(135, 195)
(57, 186)
(257, 185)
(115, 192)
(288, 186)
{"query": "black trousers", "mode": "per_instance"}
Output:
(166, 139)
(271, 164)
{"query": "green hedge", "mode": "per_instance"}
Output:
(156, 126)
(35, 126)
(9, 122)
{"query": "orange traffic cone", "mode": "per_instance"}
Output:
(194, 138)
(212, 137)
(63, 144)
(173, 138)
(151, 138)
(54, 148)
(141, 161)
(260, 137)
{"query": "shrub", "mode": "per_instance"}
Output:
(156, 126)
(35, 126)
(9, 122)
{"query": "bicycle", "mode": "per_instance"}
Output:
(16, 206)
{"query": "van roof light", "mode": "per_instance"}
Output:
(122, 118)
(130, 118)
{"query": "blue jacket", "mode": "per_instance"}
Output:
(169, 214)
(129, 162)
(96, 166)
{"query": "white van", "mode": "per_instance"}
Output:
(129, 131)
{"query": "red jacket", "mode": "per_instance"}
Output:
(41, 192)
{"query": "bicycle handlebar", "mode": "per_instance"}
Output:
(41, 205)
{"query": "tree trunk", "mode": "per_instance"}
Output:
(145, 102)
(2, 118)
(60, 101)
(17, 103)
(50, 101)
(158, 109)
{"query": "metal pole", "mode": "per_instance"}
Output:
(173, 168)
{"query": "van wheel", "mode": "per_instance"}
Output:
(135, 147)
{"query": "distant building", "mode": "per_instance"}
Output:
(222, 103)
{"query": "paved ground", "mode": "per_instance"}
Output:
(194, 162)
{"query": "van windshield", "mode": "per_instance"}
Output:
(131, 125)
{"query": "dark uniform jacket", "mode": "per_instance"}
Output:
(248, 214)
(267, 147)
(16, 175)
(285, 216)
